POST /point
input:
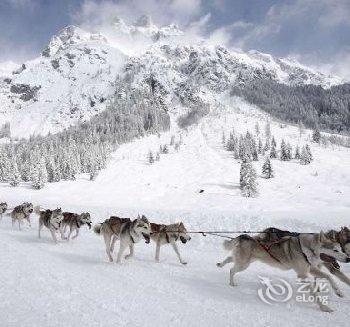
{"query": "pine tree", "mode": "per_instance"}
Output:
(157, 156)
(172, 140)
(39, 178)
(305, 156)
(165, 149)
(297, 153)
(316, 135)
(177, 146)
(257, 128)
(268, 130)
(223, 138)
(150, 157)
(15, 176)
(260, 146)
(273, 151)
(248, 180)
(267, 170)
(284, 151)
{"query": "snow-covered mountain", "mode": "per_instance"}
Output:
(77, 73)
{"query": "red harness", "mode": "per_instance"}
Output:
(267, 247)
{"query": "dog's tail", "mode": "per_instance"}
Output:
(230, 245)
(37, 210)
(97, 229)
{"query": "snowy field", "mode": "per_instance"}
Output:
(73, 285)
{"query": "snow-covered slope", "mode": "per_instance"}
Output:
(75, 76)
(75, 281)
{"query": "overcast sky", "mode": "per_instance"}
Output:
(317, 32)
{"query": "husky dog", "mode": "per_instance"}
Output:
(3, 208)
(301, 254)
(169, 234)
(21, 212)
(272, 234)
(123, 229)
(51, 219)
(74, 222)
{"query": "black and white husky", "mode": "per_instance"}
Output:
(21, 212)
(51, 219)
(74, 221)
(301, 254)
(126, 231)
(169, 234)
(3, 209)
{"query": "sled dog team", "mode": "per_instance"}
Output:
(306, 254)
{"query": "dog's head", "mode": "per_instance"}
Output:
(182, 232)
(56, 218)
(142, 227)
(344, 240)
(27, 208)
(85, 218)
(3, 206)
(331, 248)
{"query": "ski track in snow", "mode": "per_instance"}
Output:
(72, 284)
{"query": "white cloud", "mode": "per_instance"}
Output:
(93, 13)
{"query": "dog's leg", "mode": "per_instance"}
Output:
(107, 239)
(53, 234)
(113, 243)
(62, 232)
(238, 267)
(157, 250)
(29, 223)
(320, 274)
(337, 272)
(40, 227)
(225, 262)
(19, 224)
(76, 234)
(13, 223)
(174, 245)
(304, 279)
(131, 254)
(121, 251)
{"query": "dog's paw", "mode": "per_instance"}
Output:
(128, 256)
(184, 262)
(232, 284)
(325, 308)
(339, 293)
(219, 264)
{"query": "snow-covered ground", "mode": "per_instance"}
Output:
(72, 284)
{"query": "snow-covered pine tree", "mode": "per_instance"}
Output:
(165, 149)
(308, 150)
(248, 179)
(260, 146)
(223, 138)
(172, 140)
(150, 157)
(284, 151)
(297, 153)
(177, 146)
(289, 151)
(257, 128)
(157, 156)
(305, 155)
(5, 166)
(273, 151)
(268, 130)
(267, 170)
(316, 135)
(39, 177)
(15, 176)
